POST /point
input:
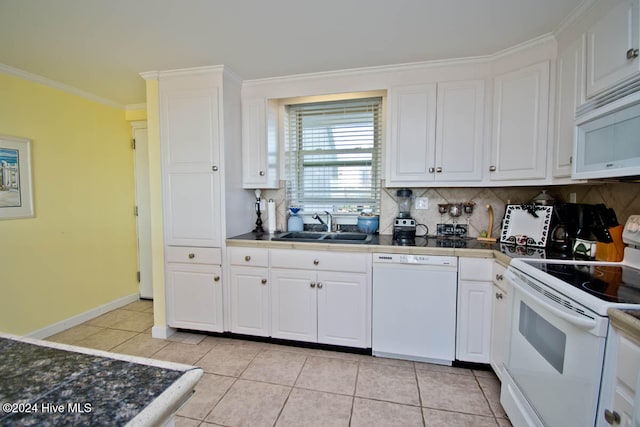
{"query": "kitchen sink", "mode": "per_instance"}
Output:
(320, 237)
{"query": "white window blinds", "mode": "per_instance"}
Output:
(333, 155)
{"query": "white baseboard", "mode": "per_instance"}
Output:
(162, 332)
(47, 331)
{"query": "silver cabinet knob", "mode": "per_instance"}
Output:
(191, 256)
(499, 295)
(247, 258)
(214, 168)
(216, 278)
(432, 170)
(319, 285)
(499, 277)
(612, 417)
(632, 53)
(263, 281)
(438, 169)
(492, 168)
(316, 262)
(312, 284)
(261, 173)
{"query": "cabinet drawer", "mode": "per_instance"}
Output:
(191, 255)
(316, 260)
(253, 257)
(476, 269)
(498, 275)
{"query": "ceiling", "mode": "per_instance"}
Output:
(101, 46)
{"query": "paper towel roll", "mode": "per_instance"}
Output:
(271, 216)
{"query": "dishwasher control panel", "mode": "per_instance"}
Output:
(415, 259)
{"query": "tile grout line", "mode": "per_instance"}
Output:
(306, 358)
(415, 373)
(495, 418)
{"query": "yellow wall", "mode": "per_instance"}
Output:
(79, 251)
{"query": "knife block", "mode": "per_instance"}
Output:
(611, 252)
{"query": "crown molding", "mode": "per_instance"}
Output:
(135, 107)
(150, 75)
(57, 85)
(576, 13)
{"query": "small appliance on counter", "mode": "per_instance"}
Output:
(404, 227)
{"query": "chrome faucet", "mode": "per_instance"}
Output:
(316, 216)
(329, 221)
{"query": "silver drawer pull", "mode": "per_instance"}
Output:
(319, 285)
(263, 281)
(316, 262)
(216, 278)
(312, 284)
(192, 256)
(632, 53)
(499, 295)
(247, 258)
(261, 173)
(499, 277)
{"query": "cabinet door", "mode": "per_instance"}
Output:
(343, 315)
(474, 322)
(194, 296)
(189, 135)
(498, 330)
(249, 300)
(259, 143)
(412, 138)
(520, 124)
(293, 305)
(459, 131)
(608, 41)
(569, 95)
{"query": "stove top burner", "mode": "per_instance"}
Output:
(614, 283)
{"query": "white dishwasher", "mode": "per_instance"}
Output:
(414, 307)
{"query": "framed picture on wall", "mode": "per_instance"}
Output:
(16, 198)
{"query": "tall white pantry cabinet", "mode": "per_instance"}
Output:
(200, 144)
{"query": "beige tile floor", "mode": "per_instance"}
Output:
(249, 383)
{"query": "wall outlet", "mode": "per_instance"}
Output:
(422, 203)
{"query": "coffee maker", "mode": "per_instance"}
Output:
(404, 227)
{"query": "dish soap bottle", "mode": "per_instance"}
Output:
(295, 222)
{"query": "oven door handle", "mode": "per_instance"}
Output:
(576, 320)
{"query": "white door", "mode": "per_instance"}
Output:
(474, 322)
(520, 124)
(459, 131)
(249, 301)
(412, 135)
(569, 94)
(293, 305)
(194, 296)
(189, 133)
(143, 208)
(608, 41)
(342, 309)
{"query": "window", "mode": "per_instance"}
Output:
(333, 152)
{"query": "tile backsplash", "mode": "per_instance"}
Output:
(623, 197)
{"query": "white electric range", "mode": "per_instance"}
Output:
(558, 332)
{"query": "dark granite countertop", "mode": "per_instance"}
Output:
(48, 384)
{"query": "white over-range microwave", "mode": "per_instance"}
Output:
(608, 141)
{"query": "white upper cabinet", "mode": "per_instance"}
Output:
(570, 93)
(459, 131)
(436, 133)
(259, 143)
(413, 134)
(520, 124)
(613, 43)
(190, 144)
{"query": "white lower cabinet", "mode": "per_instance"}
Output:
(249, 291)
(499, 319)
(321, 297)
(194, 296)
(193, 282)
(473, 338)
